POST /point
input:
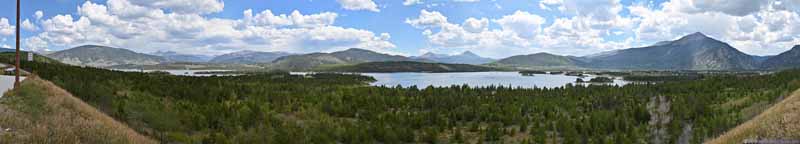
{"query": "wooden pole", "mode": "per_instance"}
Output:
(16, 78)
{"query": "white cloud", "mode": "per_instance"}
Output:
(184, 6)
(428, 19)
(415, 2)
(523, 32)
(296, 19)
(476, 25)
(359, 5)
(34, 44)
(28, 25)
(411, 2)
(148, 28)
(38, 14)
(522, 23)
(599, 10)
(731, 7)
(6, 28)
(473, 34)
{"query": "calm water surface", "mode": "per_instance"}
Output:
(180, 72)
(475, 79)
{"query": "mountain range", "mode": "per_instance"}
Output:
(178, 57)
(466, 57)
(786, 60)
(349, 56)
(248, 57)
(691, 52)
(539, 61)
(4, 49)
(102, 56)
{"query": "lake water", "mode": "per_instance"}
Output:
(422, 80)
(180, 72)
(476, 79)
(7, 83)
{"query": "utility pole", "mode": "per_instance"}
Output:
(16, 56)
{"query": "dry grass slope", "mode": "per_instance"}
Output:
(781, 121)
(41, 112)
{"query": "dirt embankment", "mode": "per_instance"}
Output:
(41, 112)
(779, 122)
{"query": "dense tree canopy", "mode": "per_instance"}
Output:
(326, 108)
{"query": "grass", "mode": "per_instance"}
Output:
(40, 112)
(781, 121)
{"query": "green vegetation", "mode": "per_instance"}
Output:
(409, 66)
(531, 72)
(662, 78)
(40, 112)
(334, 108)
(780, 122)
(539, 61)
(601, 80)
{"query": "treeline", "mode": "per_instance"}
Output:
(334, 108)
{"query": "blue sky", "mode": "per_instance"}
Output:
(493, 28)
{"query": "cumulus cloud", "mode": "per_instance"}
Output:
(523, 32)
(6, 28)
(731, 7)
(38, 14)
(184, 6)
(428, 19)
(522, 23)
(297, 19)
(411, 2)
(153, 27)
(415, 2)
(359, 5)
(476, 25)
(28, 25)
(473, 34)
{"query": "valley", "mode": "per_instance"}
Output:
(343, 108)
(400, 71)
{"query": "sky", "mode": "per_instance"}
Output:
(491, 28)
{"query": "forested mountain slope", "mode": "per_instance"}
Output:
(409, 66)
(103, 56)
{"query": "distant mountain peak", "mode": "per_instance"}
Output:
(468, 53)
(697, 34)
(661, 43)
(164, 53)
(694, 36)
(90, 45)
(358, 49)
(248, 57)
(103, 56)
(429, 54)
(246, 51)
(541, 53)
